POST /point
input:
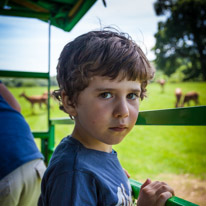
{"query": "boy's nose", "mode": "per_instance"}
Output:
(121, 109)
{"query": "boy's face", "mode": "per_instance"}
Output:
(106, 111)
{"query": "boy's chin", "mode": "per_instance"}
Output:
(114, 142)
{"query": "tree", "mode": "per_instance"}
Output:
(181, 39)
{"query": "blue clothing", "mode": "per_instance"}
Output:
(17, 144)
(80, 176)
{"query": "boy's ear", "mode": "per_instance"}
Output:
(69, 108)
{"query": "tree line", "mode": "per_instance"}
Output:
(24, 82)
(181, 39)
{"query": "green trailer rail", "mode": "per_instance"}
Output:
(173, 201)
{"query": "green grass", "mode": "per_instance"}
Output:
(148, 150)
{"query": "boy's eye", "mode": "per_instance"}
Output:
(106, 95)
(132, 96)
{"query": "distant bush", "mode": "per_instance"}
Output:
(160, 75)
(178, 75)
(53, 81)
(29, 83)
(25, 82)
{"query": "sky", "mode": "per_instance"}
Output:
(24, 41)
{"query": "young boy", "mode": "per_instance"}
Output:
(101, 75)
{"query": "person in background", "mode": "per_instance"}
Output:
(21, 163)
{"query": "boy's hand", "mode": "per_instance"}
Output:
(154, 193)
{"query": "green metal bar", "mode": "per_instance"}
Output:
(40, 75)
(187, 116)
(70, 22)
(27, 14)
(47, 142)
(51, 142)
(173, 201)
(49, 63)
(44, 150)
(65, 120)
(42, 135)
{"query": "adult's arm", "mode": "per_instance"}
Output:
(7, 95)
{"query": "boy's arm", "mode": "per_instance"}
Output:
(7, 95)
(154, 193)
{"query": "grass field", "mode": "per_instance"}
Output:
(148, 150)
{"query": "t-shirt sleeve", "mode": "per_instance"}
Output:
(76, 188)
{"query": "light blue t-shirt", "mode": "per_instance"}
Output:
(80, 176)
(17, 144)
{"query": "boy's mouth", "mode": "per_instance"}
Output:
(120, 128)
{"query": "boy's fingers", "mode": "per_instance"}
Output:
(163, 187)
(154, 193)
(147, 182)
(163, 197)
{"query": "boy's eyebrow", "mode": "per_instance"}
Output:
(112, 89)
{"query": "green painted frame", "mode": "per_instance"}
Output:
(62, 14)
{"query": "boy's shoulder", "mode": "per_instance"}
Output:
(71, 156)
(71, 151)
(65, 154)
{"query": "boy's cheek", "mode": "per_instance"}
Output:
(134, 119)
(134, 114)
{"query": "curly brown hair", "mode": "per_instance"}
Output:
(100, 53)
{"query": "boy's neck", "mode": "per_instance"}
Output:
(91, 143)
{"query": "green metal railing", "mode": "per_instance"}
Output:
(187, 116)
(173, 201)
(23, 74)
